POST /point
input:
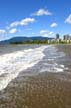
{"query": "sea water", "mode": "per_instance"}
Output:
(14, 62)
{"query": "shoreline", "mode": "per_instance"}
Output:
(39, 90)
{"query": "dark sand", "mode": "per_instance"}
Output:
(45, 90)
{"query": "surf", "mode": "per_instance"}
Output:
(13, 63)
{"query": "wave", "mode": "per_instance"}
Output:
(13, 63)
(53, 61)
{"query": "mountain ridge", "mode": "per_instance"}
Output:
(23, 39)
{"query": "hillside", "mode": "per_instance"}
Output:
(23, 39)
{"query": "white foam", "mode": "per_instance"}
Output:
(62, 66)
(58, 69)
(13, 63)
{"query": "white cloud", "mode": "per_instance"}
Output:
(46, 33)
(54, 25)
(14, 30)
(27, 21)
(14, 24)
(42, 12)
(68, 20)
(51, 33)
(43, 31)
(23, 22)
(2, 33)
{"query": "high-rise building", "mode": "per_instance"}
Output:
(66, 37)
(57, 36)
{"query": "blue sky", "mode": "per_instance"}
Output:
(34, 18)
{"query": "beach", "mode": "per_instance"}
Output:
(46, 84)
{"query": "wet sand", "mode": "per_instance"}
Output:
(43, 90)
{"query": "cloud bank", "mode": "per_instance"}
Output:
(23, 22)
(46, 33)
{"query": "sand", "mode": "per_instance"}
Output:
(43, 90)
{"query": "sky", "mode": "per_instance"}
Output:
(34, 18)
